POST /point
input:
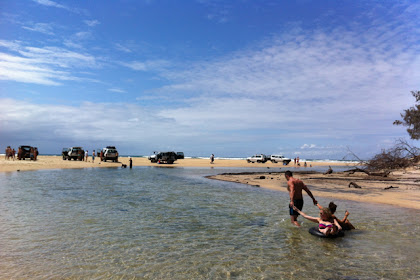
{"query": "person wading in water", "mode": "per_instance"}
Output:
(295, 187)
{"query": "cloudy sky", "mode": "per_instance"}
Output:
(233, 78)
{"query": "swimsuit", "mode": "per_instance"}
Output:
(323, 226)
(299, 205)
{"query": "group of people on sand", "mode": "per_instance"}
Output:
(10, 153)
(328, 223)
(296, 160)
(86, 157)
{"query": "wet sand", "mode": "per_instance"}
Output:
(406, 191)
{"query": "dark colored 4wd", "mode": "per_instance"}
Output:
(164, 157)
(24, 152)
(65, 153)
(180, 155)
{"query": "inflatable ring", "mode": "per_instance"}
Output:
(315, 231)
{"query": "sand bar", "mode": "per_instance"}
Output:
(330, 186)
(405, 191)
(54, 162)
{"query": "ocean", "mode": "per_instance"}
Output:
(173, 223)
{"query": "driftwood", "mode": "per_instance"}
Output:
(354, 185)
(379, 174)
(352, 171)
(329, 171)
(390, 187)
(401, 155)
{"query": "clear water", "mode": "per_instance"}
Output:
(171, 223)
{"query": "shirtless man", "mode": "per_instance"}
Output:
(295, 187)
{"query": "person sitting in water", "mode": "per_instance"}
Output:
(344, 223)
(326, 224)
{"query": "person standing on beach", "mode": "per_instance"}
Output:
(93, 156)
(86, 155)
(212, 158)
(295, 187)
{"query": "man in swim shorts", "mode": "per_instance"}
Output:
(295, 187)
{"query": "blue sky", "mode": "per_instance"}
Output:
(233, 78)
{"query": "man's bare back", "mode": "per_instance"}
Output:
(295, 187)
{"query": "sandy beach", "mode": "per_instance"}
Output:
(54, 162)
(405, 191)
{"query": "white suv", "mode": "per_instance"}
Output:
(110, 153)
(280, 158)
(257, 158)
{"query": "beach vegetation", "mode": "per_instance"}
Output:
(401, 155)
(411, 118)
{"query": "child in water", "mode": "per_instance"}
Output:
(344, 223)
(326, 224)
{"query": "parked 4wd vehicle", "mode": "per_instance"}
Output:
(163, 157)
(110, 153)
(280, 158)
(76, 153)
(180, 155)
(152, 158)
(257, 158)
(24, 152)
(65, 153)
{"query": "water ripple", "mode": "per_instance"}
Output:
(157, 223)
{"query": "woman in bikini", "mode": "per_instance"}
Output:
(326, 224)
(344, 223)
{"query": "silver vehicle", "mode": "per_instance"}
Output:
(257, 158)
(280, 158)
(76, 153)
(110, 153)
(153, 158)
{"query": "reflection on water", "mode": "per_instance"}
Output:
(158, 223)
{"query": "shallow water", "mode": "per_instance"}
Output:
(171, 223)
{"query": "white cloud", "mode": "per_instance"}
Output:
(44, 28)
(118, 90)
(50, 4)
(47, 65)
(92, 23)
(123, 48)
(82, 35)
(92, 123)
(148, 65)
(308, 146)
(217, 11)
(327, 84)
(322, 152)
(24, 70)
(54, 4)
